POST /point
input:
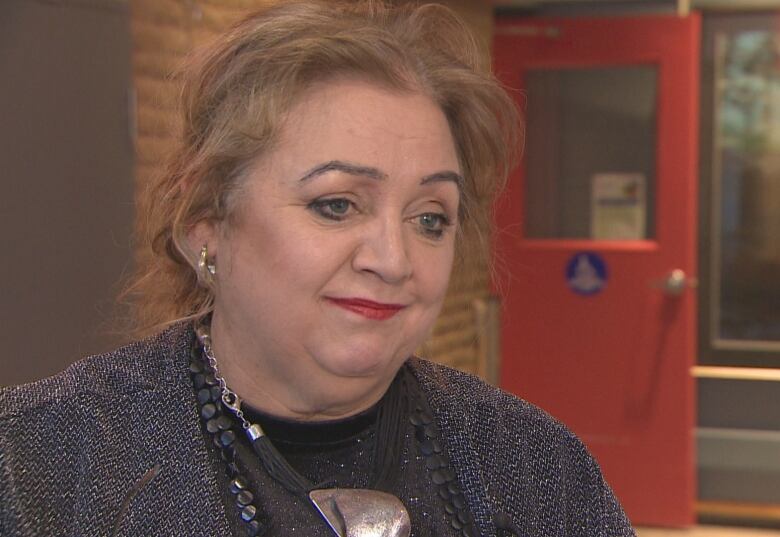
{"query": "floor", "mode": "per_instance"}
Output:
(708, 531)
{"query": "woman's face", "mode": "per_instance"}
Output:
(336, 262)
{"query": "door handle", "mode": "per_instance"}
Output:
(675, 282)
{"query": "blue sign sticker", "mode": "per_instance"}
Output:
(586, 273)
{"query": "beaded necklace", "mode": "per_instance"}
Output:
(380, 515)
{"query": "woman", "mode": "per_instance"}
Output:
(305, 232)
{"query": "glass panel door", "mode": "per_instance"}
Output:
(741, 167)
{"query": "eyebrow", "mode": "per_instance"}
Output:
(444, 176)
(375, 173)
(341, 166)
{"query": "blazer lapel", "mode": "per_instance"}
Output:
(174, 490)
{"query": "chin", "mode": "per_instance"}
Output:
(365, 361)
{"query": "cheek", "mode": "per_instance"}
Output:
(434, 270)
(305, 260)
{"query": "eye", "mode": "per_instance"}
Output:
(432, 224)
(332, 208)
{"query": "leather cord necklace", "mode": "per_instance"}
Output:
(348, 512)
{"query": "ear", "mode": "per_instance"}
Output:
(204, 233)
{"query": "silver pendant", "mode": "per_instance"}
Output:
(362, 512)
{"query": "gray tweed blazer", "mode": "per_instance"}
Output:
(112, 446)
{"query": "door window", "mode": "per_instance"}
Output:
(591, 153)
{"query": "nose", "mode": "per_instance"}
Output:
(383, 251)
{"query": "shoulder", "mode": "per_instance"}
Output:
(145, 365)
(72, 445)
(498, 427)
(470, 396)
(530, 465)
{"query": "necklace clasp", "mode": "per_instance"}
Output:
(232, 401)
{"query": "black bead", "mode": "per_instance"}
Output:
(457, 524)
(458, 501)
(430, 431)
(463, 516)
(244, 498)
(436, 445)
(415, 419)
(207, 411)
(426, 447)
(449, 473)
(434, 462)
(216, 393)
(438, 477)
(232, 470)
(248, 513)
(211, 425)
(228, 454)
(237, 485)
(199, 381)
(253, 528)
(204, 396)
(444, 494)
(450, 508)
(227, 438)
(454, 488)
(210, 379)
(419, 434)
(469, 531)
(426, 418)
(224, 423)
(195, 365)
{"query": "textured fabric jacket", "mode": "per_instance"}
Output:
(112, 446)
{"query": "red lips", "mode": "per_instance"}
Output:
(368, 308)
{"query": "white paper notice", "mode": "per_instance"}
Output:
(618, 206)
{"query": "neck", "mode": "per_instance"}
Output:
(307, 393)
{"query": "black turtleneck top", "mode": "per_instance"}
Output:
(332, 454)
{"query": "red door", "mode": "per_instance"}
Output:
(596, 244)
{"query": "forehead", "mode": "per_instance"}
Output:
(362, 122)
